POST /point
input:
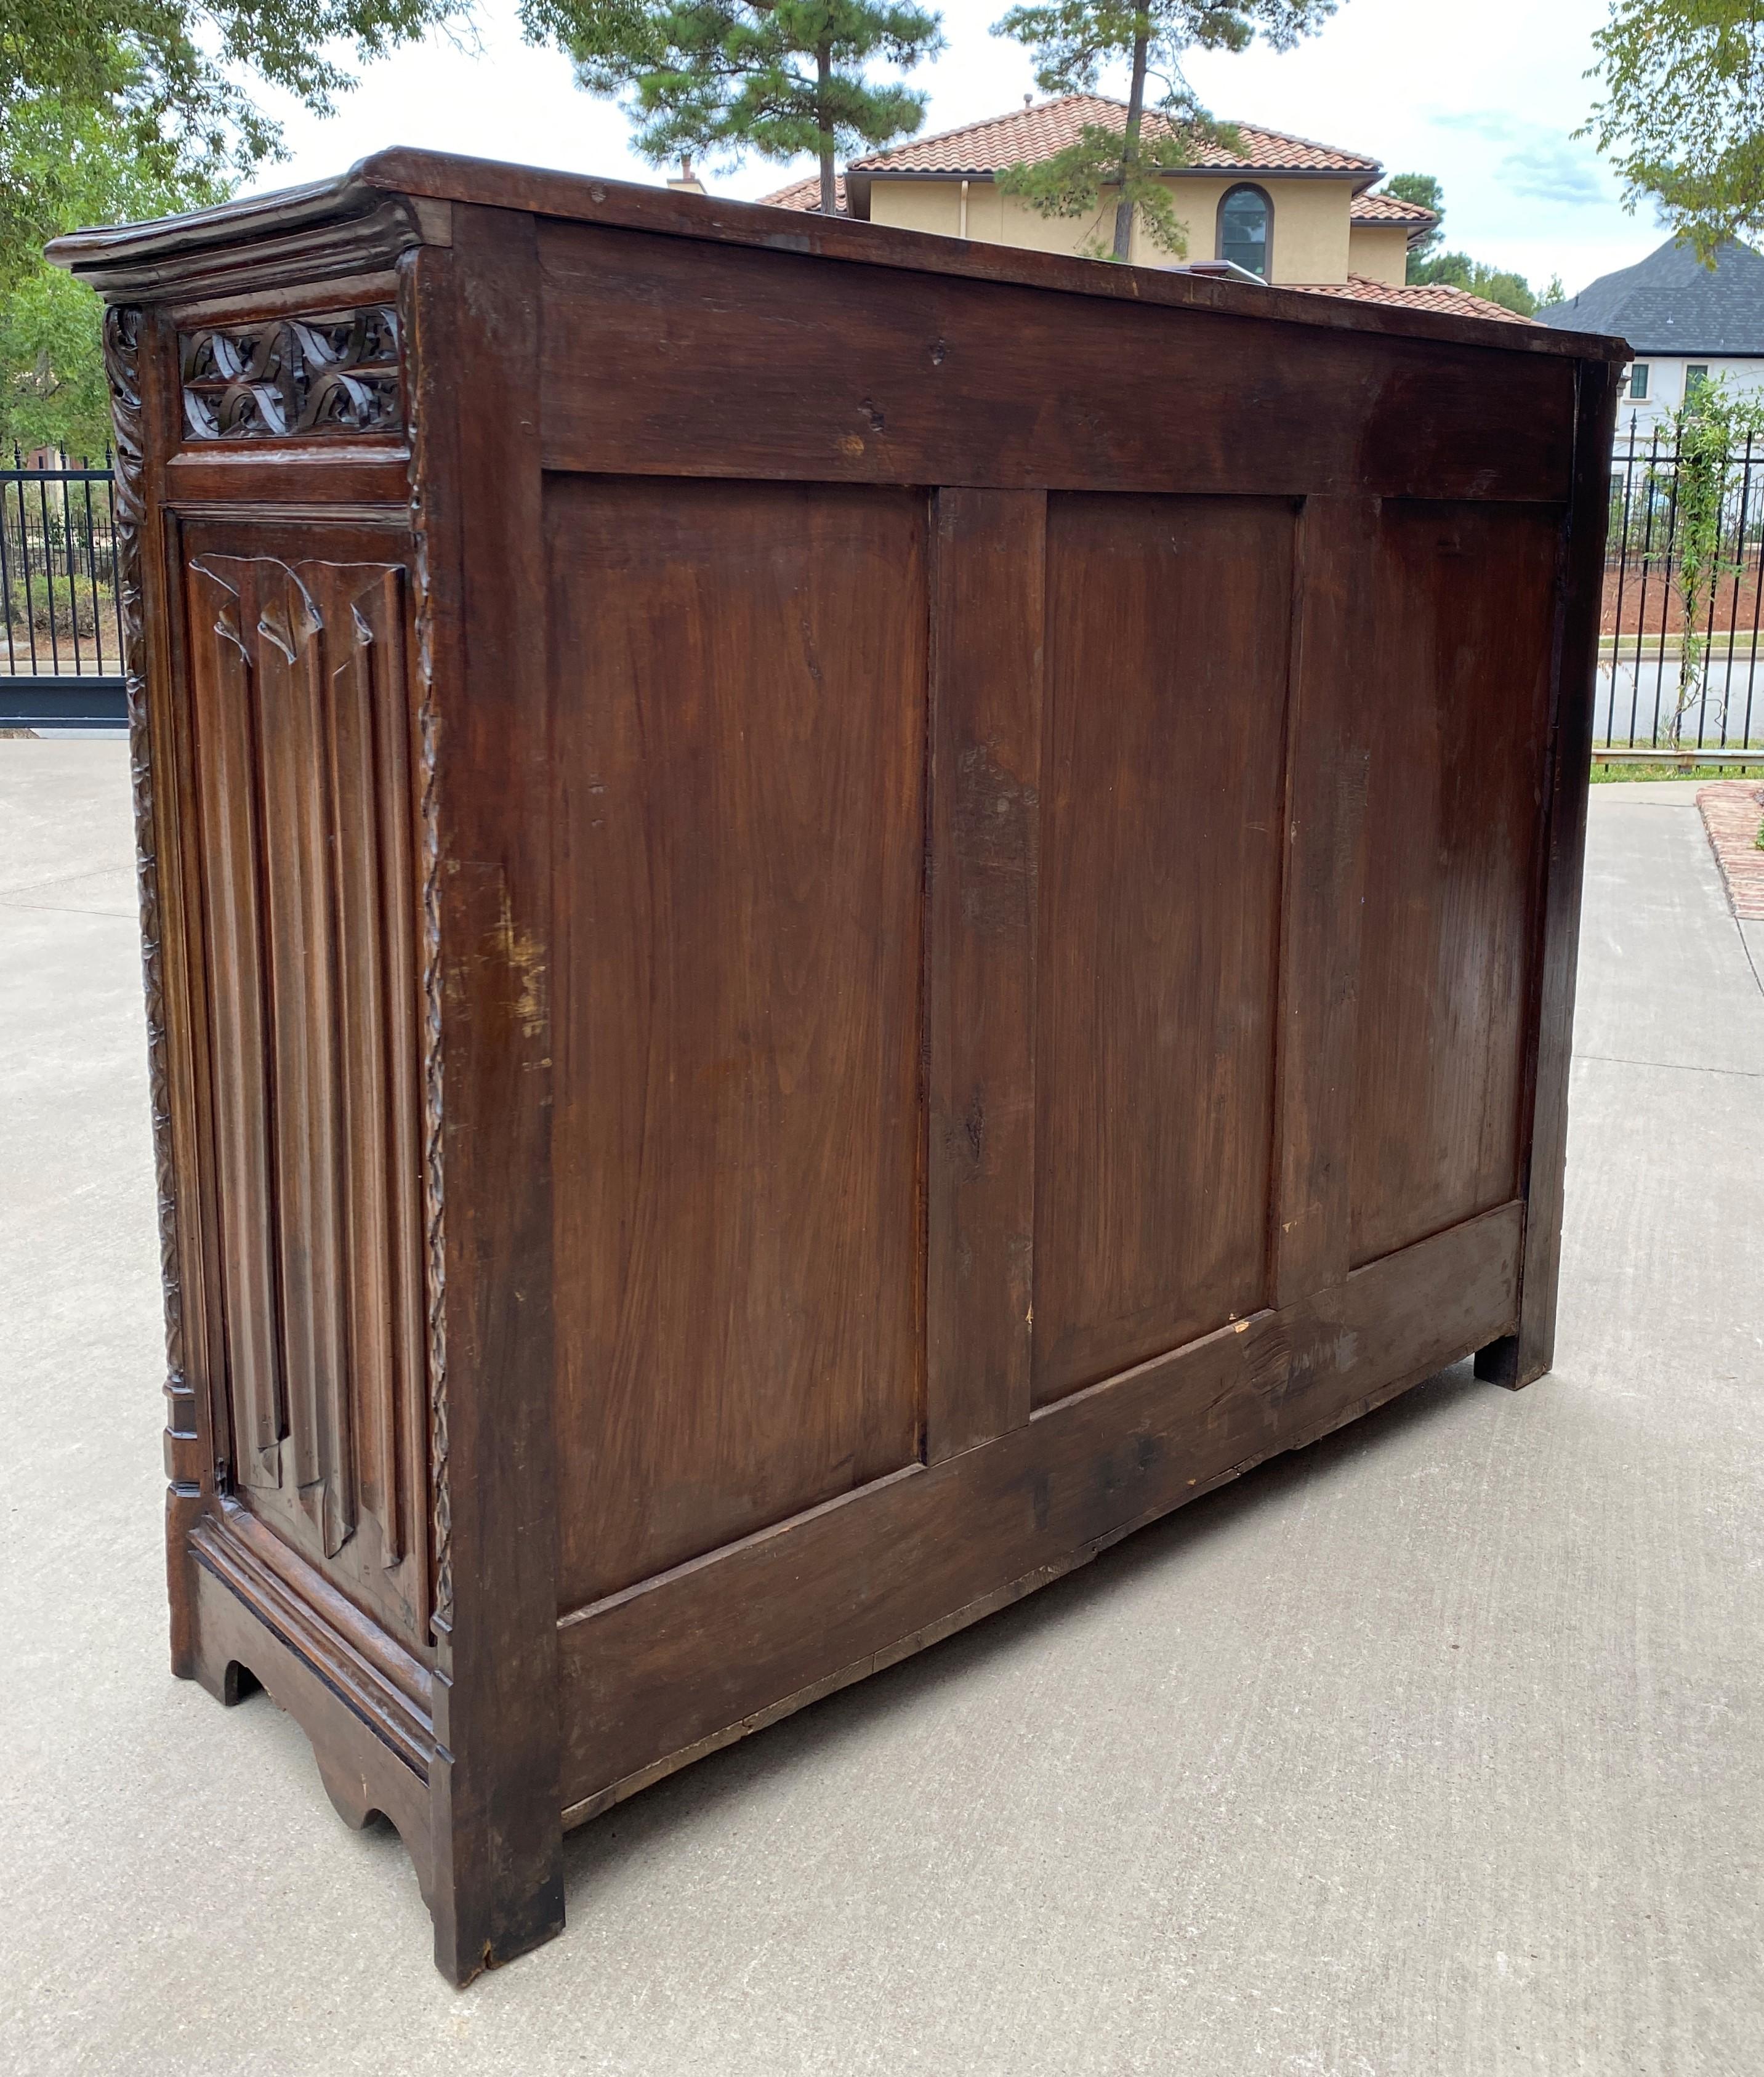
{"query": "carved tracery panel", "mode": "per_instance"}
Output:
(330, 371)
(302, 739)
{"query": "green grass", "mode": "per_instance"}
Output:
(1608, 775)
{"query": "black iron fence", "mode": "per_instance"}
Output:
(1678, 664)
(1678, 674)
(62, 662)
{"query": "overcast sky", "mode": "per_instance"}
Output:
(1484, 95)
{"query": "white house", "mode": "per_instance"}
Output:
(1685, 324)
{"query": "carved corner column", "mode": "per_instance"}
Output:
(190, 1457)
(483, 879)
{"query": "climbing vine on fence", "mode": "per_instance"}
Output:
(1709, 424)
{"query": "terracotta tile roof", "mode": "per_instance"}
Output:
(1036, 132)
(1390, 208)
(1453, 302)
(1047, 126)
(806, 195)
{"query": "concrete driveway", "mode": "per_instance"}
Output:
(1437, 1747)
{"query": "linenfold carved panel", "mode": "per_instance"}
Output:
(334, 372)
(303, 763)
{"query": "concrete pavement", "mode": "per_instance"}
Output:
(1437, 1747)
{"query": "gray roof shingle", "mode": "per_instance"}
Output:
(1670, 303)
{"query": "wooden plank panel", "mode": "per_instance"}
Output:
(987, 609)
(821, 1601)
(664, 355)
(738, 673)
(1524, 1358)
(1168, 651)
(1328, 747)
(1459, 702)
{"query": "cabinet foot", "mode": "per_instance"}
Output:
(1508, 1363)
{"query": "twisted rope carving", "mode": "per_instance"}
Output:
(428, 730)
(122, 364)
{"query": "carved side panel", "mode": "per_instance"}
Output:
(302, 726)
(123, 329)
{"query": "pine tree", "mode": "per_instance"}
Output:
(1074, 41)
(723, 78)
(1425, 190)
(1430, 268)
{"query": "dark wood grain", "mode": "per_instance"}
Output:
(231, 851)
(804, 958)
(669, 358)
(1459, 695)
(260, 1611)
(498, 1877)
(833, 1595)
(195, 1439)
(391, 197)
(1329, 746)
(1168, 645)
(1524, 1358)
(738, 674)
(988, 616)
(297, 652)
(230, 478)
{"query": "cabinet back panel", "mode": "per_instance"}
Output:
(739, 679)
(1168, 640)
(1460, 687)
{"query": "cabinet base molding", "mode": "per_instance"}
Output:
(370, 1733)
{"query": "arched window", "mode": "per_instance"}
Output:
(1246, 229)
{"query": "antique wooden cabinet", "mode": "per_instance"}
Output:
(828, 914)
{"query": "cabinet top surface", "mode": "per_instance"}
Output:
(397, 198)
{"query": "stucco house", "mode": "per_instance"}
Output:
(1297, 213)
(1684, 323)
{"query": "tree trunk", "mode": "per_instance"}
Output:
(1129, 143)
(830, 190)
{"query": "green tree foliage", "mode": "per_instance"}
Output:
(1425, 192)
(1682, 119)
(52, 377)
(1495, 284)
(1074, 42)
(115, 109)
(165, 75)
(724, 77)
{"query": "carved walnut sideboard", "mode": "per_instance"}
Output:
(828, 914)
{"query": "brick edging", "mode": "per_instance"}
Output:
(1733, 810)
